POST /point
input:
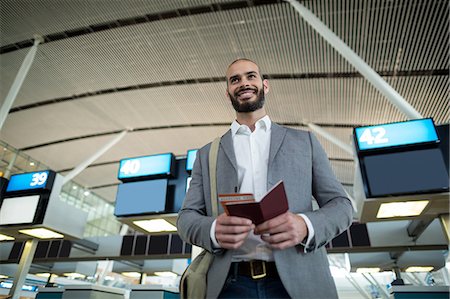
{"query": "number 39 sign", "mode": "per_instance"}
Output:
(27, 181)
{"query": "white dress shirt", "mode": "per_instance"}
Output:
(252, 156)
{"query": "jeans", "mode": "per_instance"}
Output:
(240, 286)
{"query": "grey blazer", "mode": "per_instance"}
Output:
(297, 158)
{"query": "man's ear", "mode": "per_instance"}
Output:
(266, 86)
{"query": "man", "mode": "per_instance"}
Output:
(284, 256)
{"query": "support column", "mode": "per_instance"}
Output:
(315, 128)
(361, 66)
(418, 226)
(24, 266)
(18, 81)
(92, 158)
(10, 165)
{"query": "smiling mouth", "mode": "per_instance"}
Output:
(246, 93)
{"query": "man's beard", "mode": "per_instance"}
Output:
(248, 106)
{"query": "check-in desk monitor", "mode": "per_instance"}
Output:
(26, 198)
(401, 158)
(144, 197)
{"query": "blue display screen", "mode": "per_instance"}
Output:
(191, 155)
(8, 285)
(27, 181)
(146, 166)
(139, 198)
(396, 134)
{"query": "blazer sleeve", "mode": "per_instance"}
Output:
(336, 212)
(194, 218)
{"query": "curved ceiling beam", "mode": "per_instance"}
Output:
(349, 126)
(147, 18)
(295, 76)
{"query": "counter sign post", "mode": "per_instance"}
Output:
(31, 209)
(145, 192)
(400, 162)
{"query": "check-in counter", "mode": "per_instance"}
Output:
(4, 294)
(92, 292)
(153, 292)
(50, 293)
(419, 292)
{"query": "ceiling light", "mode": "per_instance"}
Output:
(166, 274)
(86, 193)
(32, 164)
(74, 275)
(155, 225)
(401, 209)
(74, 187)
(41, 233)
(3, 276)
(419, 269)
(132, 274)
(5, 238)
(368, 270)
(47, 275)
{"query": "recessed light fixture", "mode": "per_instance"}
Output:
(5, 238)
(402, 209)
(47, 275)
(3, 276)
(132, 274)
(74, 275)
(155, 225)
(419, 269)
(368, 270)
(41, 233)
(32, 164)
(166, 274)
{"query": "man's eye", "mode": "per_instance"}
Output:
(233, 80)
(251, 76)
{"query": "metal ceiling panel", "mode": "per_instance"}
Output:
(20, 19)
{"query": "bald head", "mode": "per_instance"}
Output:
(242, 60)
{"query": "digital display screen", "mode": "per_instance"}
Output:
(146, 166)
(18, 210)
(190, 159)
(8, 285)
(28, 181)
(396, 134)
(411, 172)
(138, 198)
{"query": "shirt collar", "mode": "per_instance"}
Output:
(262, 123)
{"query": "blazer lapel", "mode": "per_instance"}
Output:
(276, 139)
(227, 145)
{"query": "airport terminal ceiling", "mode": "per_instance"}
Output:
(156, 69)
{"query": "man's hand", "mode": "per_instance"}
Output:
(284, 231)
(231, 231)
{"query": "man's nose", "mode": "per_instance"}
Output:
(244, 82)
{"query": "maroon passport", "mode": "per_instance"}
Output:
(271, 205)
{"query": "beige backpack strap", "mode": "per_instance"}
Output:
(213, 151)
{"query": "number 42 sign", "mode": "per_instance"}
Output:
(396, 134)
